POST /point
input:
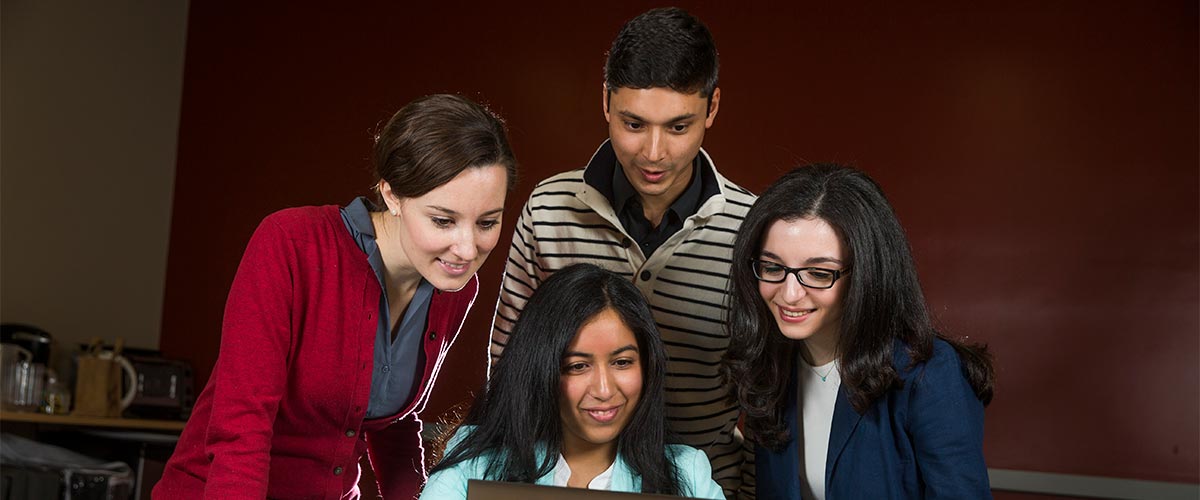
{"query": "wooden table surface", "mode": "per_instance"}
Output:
(111, 422)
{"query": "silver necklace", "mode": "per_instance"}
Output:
(832, 367)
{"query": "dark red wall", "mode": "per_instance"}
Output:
(1044, 158)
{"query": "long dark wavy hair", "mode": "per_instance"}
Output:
(883, 303)
(520, 404)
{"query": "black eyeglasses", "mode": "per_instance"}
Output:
(812, 277)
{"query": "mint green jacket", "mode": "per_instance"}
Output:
(695, 475)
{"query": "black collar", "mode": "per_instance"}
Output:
(602, 170)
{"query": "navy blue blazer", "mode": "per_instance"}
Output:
(924, 440)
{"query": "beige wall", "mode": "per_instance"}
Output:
(89, 115)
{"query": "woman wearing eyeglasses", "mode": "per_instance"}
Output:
(847, 389)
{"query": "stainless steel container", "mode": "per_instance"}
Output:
(21, 380)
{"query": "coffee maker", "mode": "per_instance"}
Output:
(31, 338)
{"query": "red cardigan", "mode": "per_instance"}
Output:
(282, 414)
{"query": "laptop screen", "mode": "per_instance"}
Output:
(494, 490)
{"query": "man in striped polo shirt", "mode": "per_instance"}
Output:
(651, 205)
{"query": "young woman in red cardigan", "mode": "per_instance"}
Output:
(339, 318)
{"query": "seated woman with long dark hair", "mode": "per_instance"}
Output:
(847, 389)
(577, 400)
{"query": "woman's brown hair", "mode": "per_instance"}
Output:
(434, 138)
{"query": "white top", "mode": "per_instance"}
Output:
(816, 400)
(602, 481)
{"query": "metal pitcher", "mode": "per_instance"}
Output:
(21, 380)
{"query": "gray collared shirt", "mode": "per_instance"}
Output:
(628, 206)
(396, 360)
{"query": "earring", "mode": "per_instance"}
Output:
(393, 212)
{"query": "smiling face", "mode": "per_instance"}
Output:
(447, 233)
(656, 133)
(600, 384)
(804, 313)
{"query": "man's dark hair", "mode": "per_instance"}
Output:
(663, 48)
